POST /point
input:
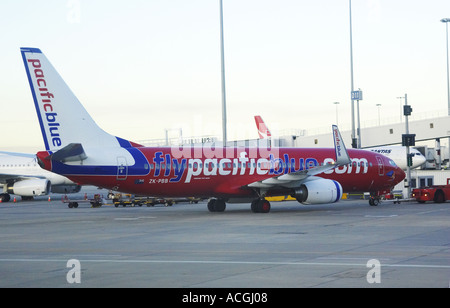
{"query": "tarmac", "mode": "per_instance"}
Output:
(348, 244)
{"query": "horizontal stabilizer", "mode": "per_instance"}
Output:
(71, 152)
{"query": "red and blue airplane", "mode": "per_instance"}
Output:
(76, 147)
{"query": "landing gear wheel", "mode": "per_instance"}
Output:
(211, 204)
(260, 206)
(5, 197)
(254, 206)
(264, 207)
(72, 205)
(374, 201)
(216, 205)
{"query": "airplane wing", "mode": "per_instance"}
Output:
(295, 178)
(12, 178)
(9, 178)
(18, 154)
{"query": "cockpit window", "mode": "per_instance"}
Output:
(392, 163)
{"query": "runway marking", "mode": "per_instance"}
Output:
(229, 262)
(380, 216)
(432, 211)
(347, 258)
(134, 218)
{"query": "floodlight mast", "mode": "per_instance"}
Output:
(446, 21)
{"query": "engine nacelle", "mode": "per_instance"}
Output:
(65, 189)
(318, 192)
(30, 188)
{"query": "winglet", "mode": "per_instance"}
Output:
(342, 157)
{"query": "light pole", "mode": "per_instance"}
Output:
(337, 119)
(446, 21)
(378, 105)
(354, 140)
(401, 107)
(224, 104)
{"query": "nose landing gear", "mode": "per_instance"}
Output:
(374, 200)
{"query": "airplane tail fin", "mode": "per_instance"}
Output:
(342, 157)
(263, 130)
(62, 117)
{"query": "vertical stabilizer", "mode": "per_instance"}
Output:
(342, 157)
(263, 130)
(62, 118)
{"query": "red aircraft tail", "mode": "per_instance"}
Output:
(263, 131)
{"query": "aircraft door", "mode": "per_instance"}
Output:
(122, 168)
(380, 166)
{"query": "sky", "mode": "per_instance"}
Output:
(141, 67)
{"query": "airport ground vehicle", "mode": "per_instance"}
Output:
(436, 193)
(97, 201)
(131, 200)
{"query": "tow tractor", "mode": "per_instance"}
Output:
(436, 193)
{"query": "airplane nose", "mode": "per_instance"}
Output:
(419, 160)
(400, 175)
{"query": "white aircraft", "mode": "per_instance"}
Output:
(398, 154)
(395, 152)
(21, 175)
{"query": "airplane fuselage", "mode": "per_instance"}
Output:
(399, 153)
(28, 167)
(162, 172)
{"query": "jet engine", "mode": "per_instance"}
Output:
(30, 188)
(318, 192)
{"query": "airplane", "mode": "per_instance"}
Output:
(76, 147)
(396, 153)
(21, 175)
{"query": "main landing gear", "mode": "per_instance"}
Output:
(374, 200)
(216, 205)
(260, 205)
